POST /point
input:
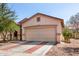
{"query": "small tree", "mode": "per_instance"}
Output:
(67, 35)
(7, 23)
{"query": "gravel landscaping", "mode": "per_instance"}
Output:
(65, 49)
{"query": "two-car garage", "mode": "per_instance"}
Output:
(40, 33)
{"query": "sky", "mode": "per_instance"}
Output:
(60, 10)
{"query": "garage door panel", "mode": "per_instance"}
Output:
(41, 34)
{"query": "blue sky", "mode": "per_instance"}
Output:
(60, 10)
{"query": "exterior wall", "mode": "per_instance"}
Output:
(44, 21)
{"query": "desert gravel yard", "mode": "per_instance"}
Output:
(65, 49)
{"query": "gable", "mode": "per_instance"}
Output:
(44, 20)
(47, 16)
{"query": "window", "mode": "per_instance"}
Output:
(38, 19)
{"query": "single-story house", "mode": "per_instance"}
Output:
(42, 27)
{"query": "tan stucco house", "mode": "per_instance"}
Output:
(42, 27)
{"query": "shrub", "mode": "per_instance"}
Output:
(67, 35)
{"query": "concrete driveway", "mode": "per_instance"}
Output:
(33, 48)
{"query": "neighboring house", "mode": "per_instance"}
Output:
(73, 27)
(41, 27)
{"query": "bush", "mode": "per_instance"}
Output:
(67, 35)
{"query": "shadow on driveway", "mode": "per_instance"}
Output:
(33, 42)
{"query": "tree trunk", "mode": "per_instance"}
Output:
(4, 36)
(10, 36)
(4, 39)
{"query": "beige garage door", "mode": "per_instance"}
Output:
(41, 33)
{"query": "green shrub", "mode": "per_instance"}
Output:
(67, 35)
